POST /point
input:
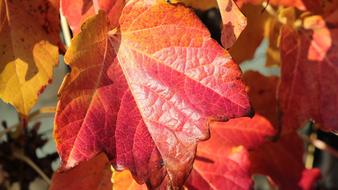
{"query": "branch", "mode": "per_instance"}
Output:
(282, 20)
(42, 111)
(32, 117)
(8, 130)
(65, 29)
(266, 6)
(17, 154)
(320, 145)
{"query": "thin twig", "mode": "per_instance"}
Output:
(32, 117)
(321, 145)
(309, 159)
(65, 29)
(28, 161)
(282, 20)
(44, 110)
(272, 12)
(268, 8)
(8, 130)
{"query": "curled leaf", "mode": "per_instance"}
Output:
(26, 60)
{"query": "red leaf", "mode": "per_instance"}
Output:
(220, 168)
(143, 93)
(282, 161)
(243, 131)
(309, 178)
(221, 163)
(262, 94)
(91, 174)
(309, 75)
(77, 11)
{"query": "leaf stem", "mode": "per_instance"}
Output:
(33, 116)
(44, 110)
(271, 11)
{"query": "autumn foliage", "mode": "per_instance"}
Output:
(153, 101)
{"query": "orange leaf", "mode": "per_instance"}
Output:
(88, 175)
(125, 181)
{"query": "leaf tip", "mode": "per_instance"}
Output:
(251, 112)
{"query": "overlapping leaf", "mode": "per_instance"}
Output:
(220, 168)
(234, 22)
(197, 4)
(222, 162)
(77, 11)
(91, 174)
(283, 162)
(309, 72)
(233, 19)
(29, 33)
(282, 158)
(143, 92)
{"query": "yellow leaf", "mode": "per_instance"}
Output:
(28, 52)
(233, 20)
(271, 32)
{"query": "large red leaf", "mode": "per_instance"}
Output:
(77, 11)
(143, 92)
(308, 89)
(90, 175)
(221, 162)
